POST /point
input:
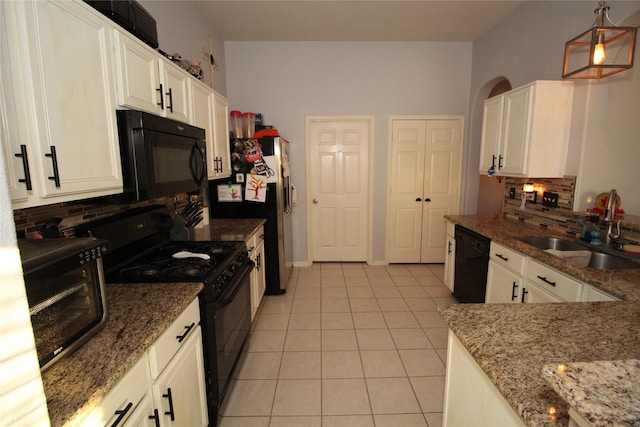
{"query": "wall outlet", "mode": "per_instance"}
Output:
(549, 199)
(512, 192)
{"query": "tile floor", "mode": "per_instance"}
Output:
(347, 345)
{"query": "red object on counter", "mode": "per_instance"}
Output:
(267, 132)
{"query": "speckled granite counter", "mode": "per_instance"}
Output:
(228, 229)
(512, 342)
(137, 314)
(624, 284)
(603, 400)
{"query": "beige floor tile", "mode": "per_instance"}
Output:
(335, 305)
(341, 364)
(335, 292)
(393, 304)
(437, 269)
(307, 293)
(369, 320)
(311, 305)
(437, 336)
(421, 304)
(353, 272)
(412, 292)
(332, 282)
(376, 271)
(251, 398)
(404, 420)
(375, 339)
(418, 269)
(260, 366)
(438, 291)
(276, 304)
(357, 281)
(272, 322)
(337, 321)
(407, 339)
(442, 354)
(429, 280)
(330, 265)
(360, 292)
(382, 364)
(422, 363)
(386, 292)
(397, 270)
(430, 392)
(429, 319)
(392, 396)
(406, 281)
(348, 421)
(298, 365)
(345, 397)
(303, 340)
(267, 340)
(335, 339)
(400, 319)
(297, 397)
(307, 283)
(434, 419)
(364, 304)
(298, 321)
(315, 421)
(331, 272)
(244, 422)
(445, 300)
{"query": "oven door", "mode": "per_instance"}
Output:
(227, 321)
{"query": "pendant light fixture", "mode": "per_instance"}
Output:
(602, 50)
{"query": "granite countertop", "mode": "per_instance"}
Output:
(513, 342)
(137, 314)
(597, 398)
(624, 284)
(229, 229)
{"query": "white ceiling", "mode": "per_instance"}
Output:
(353, 20)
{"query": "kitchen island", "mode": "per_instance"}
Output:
(137, 314)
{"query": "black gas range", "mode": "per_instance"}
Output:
(142, 252)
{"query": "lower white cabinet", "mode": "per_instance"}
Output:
(450, 256)
(470, 398)
(505, 275)
(591, 294)
(255, 245)
(544, 284)
(165, 387)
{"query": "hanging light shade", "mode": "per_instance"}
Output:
(602, 50)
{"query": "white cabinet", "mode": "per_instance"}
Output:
(210, 112)
(589, 293)
(544, 284)
(59, 103)
(505, 275)
(470, 397)
(450, 256)
(525, 132)
(148, 82)
(255, 245)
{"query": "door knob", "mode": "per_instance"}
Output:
(418, 199)
(315, 201)
(427, 199)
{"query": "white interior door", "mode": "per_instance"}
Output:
(424, 185)
(338, 150)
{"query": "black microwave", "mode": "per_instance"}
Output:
(160, 156)
(64, 282)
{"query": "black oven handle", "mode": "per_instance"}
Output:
(234, 287)
(195, 150)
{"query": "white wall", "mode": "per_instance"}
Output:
(528, 46)
(286, 81)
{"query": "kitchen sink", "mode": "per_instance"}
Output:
(599, 260)
(556, 243)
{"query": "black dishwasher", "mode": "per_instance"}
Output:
(472, 262)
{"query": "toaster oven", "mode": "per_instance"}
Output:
(64, 282)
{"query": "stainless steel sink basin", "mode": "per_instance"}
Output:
(556, 243)
(598, 261)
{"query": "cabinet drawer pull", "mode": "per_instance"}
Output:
(545, 280)
(121, 413)
(25, 165)
(170, 399)
(180, 338)
(54, 162)
(155, 417)
(513, 292)
(449, 248)
(161, 91)
(502, 257)
(524, 294)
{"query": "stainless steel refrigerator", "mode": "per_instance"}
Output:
(260, 187)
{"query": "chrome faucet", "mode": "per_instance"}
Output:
(609, 218)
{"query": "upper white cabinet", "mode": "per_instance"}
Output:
(221, 136)
(525, 132)
(148, 82)
(58, 103)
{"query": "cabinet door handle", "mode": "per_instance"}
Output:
(502, 257)
(524, 293)
(170, 399)
(155, 417)
(449, 247)
(500, 157)
(25, 165)
(493, 161)
(170, 95)
(258, 262)
(513, 292)
(418, 199)
(161, 91)
(545, 280)
(54, 162)
(181, 338)
(121, 413)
